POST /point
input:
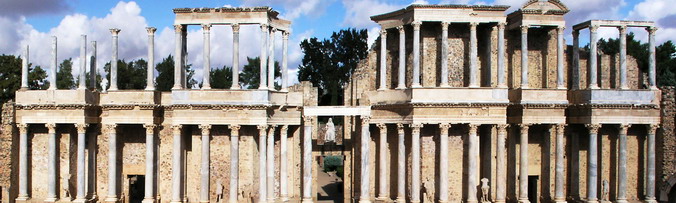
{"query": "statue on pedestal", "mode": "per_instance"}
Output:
(484, 190)
(605, 194)
(65, 186)
(330, 135)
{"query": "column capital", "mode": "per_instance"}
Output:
(501, 25)
(234, 127)
(444, 25)
(622, 29)
(284, 128)
(652, 128)
(624, 128)
(651, 30)
(502, 128)
(416, 128)
(400, 128)
(51, 127)
(23, 128)
(151, 30)
(382, 126)
(524, 128)
(307, 120)
(383, 32)
(524, 28)
(560, 29)
(273, 29)
(416, 25)
(178, 28)
(445, 126)
(262, 127)
(81, 127)
(594, 28)
(115, 31)
(206, 27)
(401, 29)
(560, 128)
(365, 120)
(176, 128)
(472, 25)
(205, 129)
(285, 34)
(264, 27)
(150, 128)
(473, 128)
(576, 33)
(235, 27)
(593, 128)
(109, 128)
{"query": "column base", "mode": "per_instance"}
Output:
(499, 201)
(650, 201)
(50, 199)
(561, 201)
(445, 201)
(524, 201)
(401, 199)
(148, 200)
(22, 199)
(382, 199)
(111, 200)
(364, 201)
(592, 201)
(416, 86)
(284, 199)
(470, 201)
(305, 200)
(621, 201)
(80, 200)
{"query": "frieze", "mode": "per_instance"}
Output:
(214, 107)
(55, 107)
(616, 106)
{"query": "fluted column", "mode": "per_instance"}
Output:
(264, 57)
(501, 165)
(178, 57)
(623, 57)
(111, 129)
(383, 193)
(235, 57)
(176, 166)
(415, 166)
(524, 57)
(271, 164)
(283, 174)
(650, 183)
(262, 152)
(307, 159)
(113, 60)
(271, 60)
(206, 73)
(593, 53)
(82, 76)
(149, 196)
(285, 69)
(592, 163)
(364, 188)
(559, 58)
(501, 55)
(444, 54)
(23, 162)
(559, 197)
(622, 165)
(24, 69)
(81, 174)
(401, 164)
(234, 163)
(92, 67)
(383, 59)
(576, 60)
(52, 162)
(416, 53)
(473, 56)
(651, 58)
(523, 164)
(204, 167)
(55, 65)
(472, 172)
(401, 81)
(443, 162)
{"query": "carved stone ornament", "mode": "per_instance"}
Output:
(150, 128)
(416, 128)
(151, 30)
(624, 128)
(593, 128)
(307, 120)
(23, 128)
(81, 127)
(502, 128)
(365, 120)
(653, 129)
(205, 129)
(524, 128)
(560, 128)
(51, 127)
(473, 128)
(176, 128)
(400, 128)
(234, 130)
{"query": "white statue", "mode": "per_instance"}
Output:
(65, 186)
(219, 191)
(104, 85)
(605, 196)
(484, 190)
(330, 135)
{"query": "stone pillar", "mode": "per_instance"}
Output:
(524, 56)
(271, 60)
(285, 69)
(176, 165)
(24, 69)
(444, 54)
(150, 82)
(113, 60)
(150, 164)
(523, 164)
(443, 162)
(307, 159)
(383, 59)
(622, 165)
(82, 77)
(262, 152)
(501, 55)
(559, 197)
(92, 165)
(383, 173)
(416, 53)
(52, 163)
(473, 56)
(473, 171)
(401, 81)
(501, 165)
(283, 174)
(92, 67)
(234, 163)
(112, 197)
(204, 166)
(55, 65)
(559, 58)
(364, 188)
(415, 166)
(235, 57)
(184, 57)
(206, 73)
(623, 57)
(81, 196)
(650, 183)
(23, 163)
(178, 58)
(401, 164)
(651, 58)
(264, 57)
(592, 163)
(576, 60)
(593, 53)
(270, 158)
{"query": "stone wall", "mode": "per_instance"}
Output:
(666, 146)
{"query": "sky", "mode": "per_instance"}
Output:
(33, 22)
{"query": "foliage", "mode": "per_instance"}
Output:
(130, 75)
(165, 76)
(37, 78)
(10, 77)
(64, 77)
(220, 78)
(331, 163)
(250, 75)
(665, 55)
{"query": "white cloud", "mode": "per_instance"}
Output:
(358, 13)
(16, 8)
(659, 11)
(292, 9)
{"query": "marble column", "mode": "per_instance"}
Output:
(622, 164)
(81, 196)
(443, 162)
(92, 164)
(206, 83)
(235, 57)
(383, 173)
(150, 164)
(650, 182)
(111, 130)
(271, 60)
(92, 67)
(234, 163)
(415, 165)
(559, 58)
(473, 56)
(523, 164)
(307, 159)
(184, 57)
(401, 81)
(473, 163)
(264, 57)
(178, 58)
(113, 64)
(150, 81)
(82, 75)
(416, 53)
(401, 164)
(285, 69)
(592, 163)
(262, 152)
(559, 197)
(23, 162)
(283, 174)
(383, 59)
(204, 166)
(365, 196)
(52, 163)
(444, 54)
(176, 165)
(501, 165)
(55, 65)
(24, 69)
(651, 58)
(270, 158)
(576, 60)
(623, 57)
(524, 56)
(501, 55)
(593, 53)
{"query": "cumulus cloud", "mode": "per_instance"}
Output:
(14, 8)
(292, 9)
(659, 11)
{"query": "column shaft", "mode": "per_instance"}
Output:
(401, 81)
(92, 165)
(92, 67)
(472, 172)
(53, 161)
(365, 196)
(234, 163)
(524, 57)
(383, 59)
(401, 164)
(501, 165)
(622, 165)
(501, 55)
(235, 56)
(206, 73)
(271, 60)
(23, 162)
(283, 174)
(444, 54)
(473, 56)
(176, 167)
(55, 65)
(623, 57)
(559, 175)
(285, 69)
(383, 193)
(270, 172)
(24, 69)
(150, 82)
(443, 162)
(150, 164)
(559, 58)
(264, 57)
(576, 60)
(650, 183)
(416, 53)
(112, 163)
(262, 152)
(415, 166)
(651, 59)
(184, 57)
(204, 167)
(307, 159)
(113, 61)
(592, 163)
(82, 76)
(178, 57)
(523, 164)
(81, 174)
(593, 53)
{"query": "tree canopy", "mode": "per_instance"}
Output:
(10, 77)
(64, 76)
(250, 76)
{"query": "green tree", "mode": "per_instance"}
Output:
(37, 78)
(165, 76)
(220, 78)
(665, 56)
(250, 75)
(64, 77)
(130, 75)
(329, 63)
(10, 76)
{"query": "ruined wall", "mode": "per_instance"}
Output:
(9, 157)
(666, 146)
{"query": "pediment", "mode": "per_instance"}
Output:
(545, 6)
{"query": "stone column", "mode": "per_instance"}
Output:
(444, 54)
(150, 164)
(364, 188)
(383, 177)
(576, 60)
(401, 81)
(401, 164)
(623, 57)
(206, 83)
(92, 164)
(443, 162)
(81, 174)
(52, 162)
(650, 183)
(415, 166)
(92, 67)
(416, 53)
(559, 58)
(176, 165)
(178, 58)
(234, 163)
(622, 165)
(184, 57)
(111, 129)
(55, 65)
(271, 164)
(501, 55)
(592, 163)
(523, 164)
(473, 54)
(150, 82)
(559, 197)
(82, 77)
(23, 163)
(262, 152)
(501, 165)
(204, 166)
(264, 57)
(283, 174)
(24, 69)
(473, 171)
(113, 63)
(651, 58)
(524, 56)
(235, 57)
(307, 159)
(271, 60)
(383, 59)
(285, 69)
(593, 53)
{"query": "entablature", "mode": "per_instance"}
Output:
(442, 13)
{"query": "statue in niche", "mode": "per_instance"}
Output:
(219, 191)
(605, 194)
(484, 190)
(330, 135)
(65, 186)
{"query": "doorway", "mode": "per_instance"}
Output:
(330, 179)
(136, 188)
(533, 189)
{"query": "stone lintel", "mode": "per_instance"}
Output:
(442, 13)
(229, 16)
(613, 23)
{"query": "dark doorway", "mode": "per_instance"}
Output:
(672, 195)
(136, 188)
(330, 179)
(533, 189)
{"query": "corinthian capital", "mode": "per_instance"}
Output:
(365, 120)
(652, 129)
(593, 128)
(150, 128)
(81, 127)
